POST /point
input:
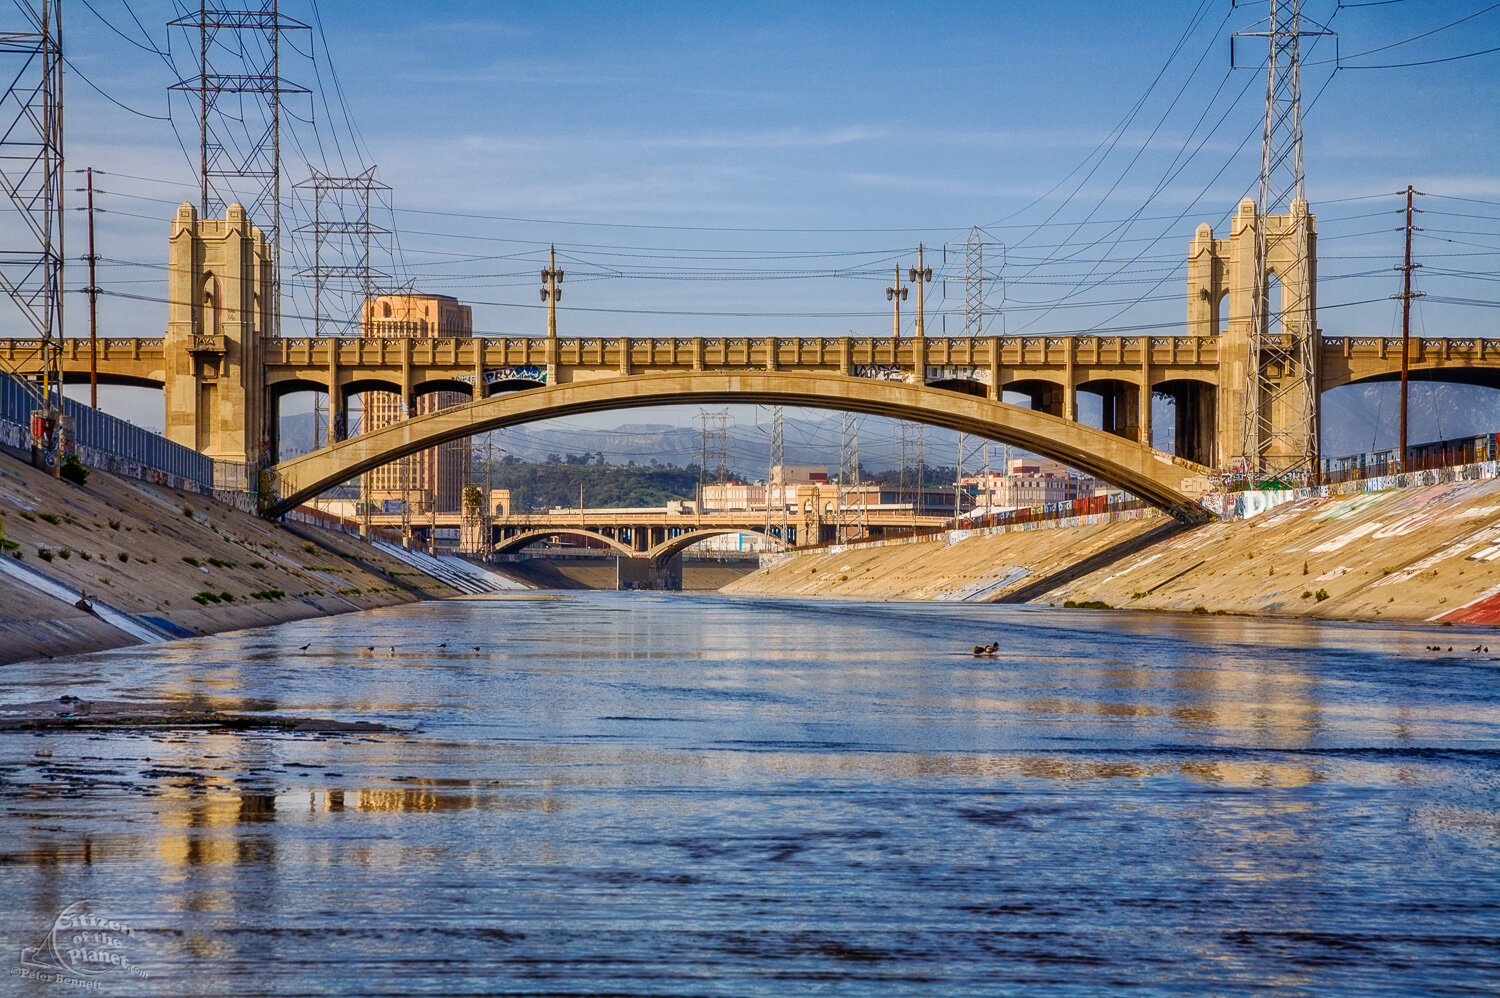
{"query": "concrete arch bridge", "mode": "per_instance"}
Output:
(1172, 483)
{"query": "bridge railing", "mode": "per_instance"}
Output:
(111, 444)
(1419, 457)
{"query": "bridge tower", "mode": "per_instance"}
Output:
(220, 293)
(1228, 295)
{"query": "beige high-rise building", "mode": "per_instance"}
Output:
(433, 477)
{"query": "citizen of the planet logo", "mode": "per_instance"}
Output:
(84, 944)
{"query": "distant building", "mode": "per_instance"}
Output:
(796, 486)
(1026, 482)
(433, 478)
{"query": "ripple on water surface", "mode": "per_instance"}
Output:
(603, 793)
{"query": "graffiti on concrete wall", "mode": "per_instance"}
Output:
(521, 372)
(881, 372)
(1354, 504)
(958, 372)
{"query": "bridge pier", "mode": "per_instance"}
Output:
(649, 573)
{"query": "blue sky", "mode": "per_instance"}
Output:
(753, 169)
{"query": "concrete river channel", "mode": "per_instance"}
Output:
(636, 794)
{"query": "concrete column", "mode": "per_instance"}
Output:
(479, 386)
(698, 353)
(408, 404)
(995, 391)
(336, 403)
(846, 355)
(770, 353)
(1070, 387)
(625, 356)
(1144, 417)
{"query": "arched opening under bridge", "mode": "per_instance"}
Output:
(1173, 484)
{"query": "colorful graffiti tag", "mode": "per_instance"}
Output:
(498, 375)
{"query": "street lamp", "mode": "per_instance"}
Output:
(896, 293)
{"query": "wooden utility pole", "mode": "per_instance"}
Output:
(1406, 296)
(93, 290)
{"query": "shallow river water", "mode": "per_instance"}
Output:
(678, 795)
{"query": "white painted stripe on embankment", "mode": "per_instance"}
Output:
(28, 576)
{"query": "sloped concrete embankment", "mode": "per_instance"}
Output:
(157, 563)
(1412, 554)
(977, 565)
(1428, 553)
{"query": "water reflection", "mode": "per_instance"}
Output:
(618, 794)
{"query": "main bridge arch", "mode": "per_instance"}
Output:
(1170, 483)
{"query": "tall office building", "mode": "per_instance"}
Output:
(433, 477)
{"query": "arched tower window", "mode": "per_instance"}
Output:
(210, 305)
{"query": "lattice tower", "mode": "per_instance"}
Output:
(238, 48)
(1280, 438)
(31, 166)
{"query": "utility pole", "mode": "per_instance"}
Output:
(920, 275)
(896, 293)
(551, 293)
(93, 291)
(1406, 296)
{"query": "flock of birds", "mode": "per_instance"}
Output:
(370, 649)
(1477, 649)
(989, 650)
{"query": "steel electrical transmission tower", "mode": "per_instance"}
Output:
(851, 520)
(343, 271)
(776, 519)
(978, 281)
(1281, 397)
(713, 439)
(31, 166)
(239, 146)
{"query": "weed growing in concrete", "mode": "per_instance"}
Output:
(65, 553)
(51, 518)
(187, 511)
(27, 516)
(114, 524)
(1320, 595)
(191, 560)
(220, 563)
(44, 553)
(123, 556)
(73, 470)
